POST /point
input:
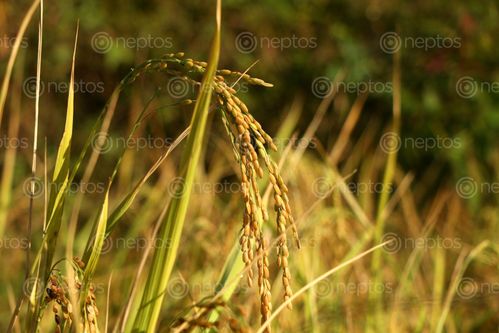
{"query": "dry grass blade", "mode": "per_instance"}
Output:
(346, 130)
(408, 273)
(130, 310)
(316, 121)
(123, 206)
(459, 270)
(3, 95)
(12, 59)
(314, 282)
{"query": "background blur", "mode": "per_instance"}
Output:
(449, 137)
(296, 43)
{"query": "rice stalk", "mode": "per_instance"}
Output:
(130, 310)
(59, 185)
(164, 258)
(87, 304)
(250, 142)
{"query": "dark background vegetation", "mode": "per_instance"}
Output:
(347, 37)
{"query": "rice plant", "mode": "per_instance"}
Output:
(295, 245)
